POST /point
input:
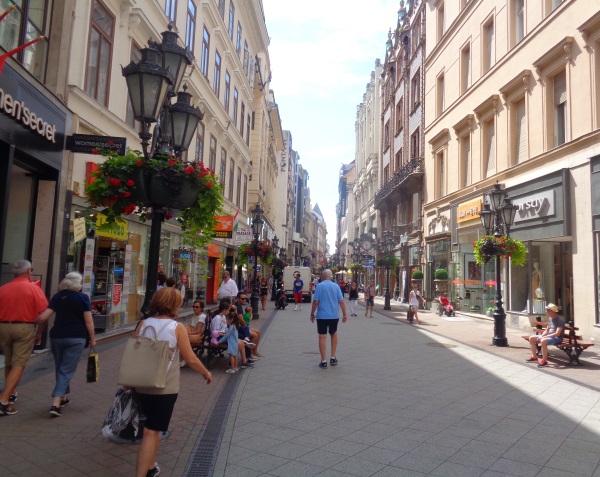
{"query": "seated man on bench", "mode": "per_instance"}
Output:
(552, 335)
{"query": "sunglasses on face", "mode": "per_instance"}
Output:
(196, 306)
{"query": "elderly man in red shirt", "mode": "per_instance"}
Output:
(20, 303)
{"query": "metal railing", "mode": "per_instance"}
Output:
(415, 166)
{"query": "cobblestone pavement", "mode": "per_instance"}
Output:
(434, 399)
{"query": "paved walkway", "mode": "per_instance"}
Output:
(405, 400)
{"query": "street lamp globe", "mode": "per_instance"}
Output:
(184, 121)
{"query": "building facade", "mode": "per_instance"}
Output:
(504, 82)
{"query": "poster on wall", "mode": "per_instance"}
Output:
(88, 267)
(126, 278)
(116, 305)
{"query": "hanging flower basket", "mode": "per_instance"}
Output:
(129, 184)
(246, 250)
(490, 246)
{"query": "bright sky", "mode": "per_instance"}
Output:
(322, 54)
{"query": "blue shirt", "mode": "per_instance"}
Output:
(329, 295)
(298, 285)
(69, 307)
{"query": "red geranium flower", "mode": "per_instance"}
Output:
(189, 169)
(129, 183)
(208, 185)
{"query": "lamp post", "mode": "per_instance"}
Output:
(388, 242)
(274, 277)
(151, 83)
(257, 224)
(497, 217)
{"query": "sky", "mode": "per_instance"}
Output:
(322, 54)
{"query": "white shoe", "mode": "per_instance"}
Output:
(295, 308)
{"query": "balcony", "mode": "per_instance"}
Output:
(409, 176)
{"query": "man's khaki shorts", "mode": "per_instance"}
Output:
(17, 342)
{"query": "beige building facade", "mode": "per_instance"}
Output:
(512, 97)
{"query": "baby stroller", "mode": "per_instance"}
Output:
(445, 307)
(281, 301)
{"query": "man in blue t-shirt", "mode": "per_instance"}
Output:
(326, 300)
(552, 335)
(298, 285)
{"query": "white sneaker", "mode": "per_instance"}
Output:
(230, 371)
(295, 308)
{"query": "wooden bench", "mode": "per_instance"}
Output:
(572, 344)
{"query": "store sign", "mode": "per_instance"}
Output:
(21, 113)
(224, 227)
(468, 211)
(79, 229)
(116, 294)
(243, 236)
(535, 206)
(90, 144)
(117, 229)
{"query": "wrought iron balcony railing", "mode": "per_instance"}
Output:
(415, 166)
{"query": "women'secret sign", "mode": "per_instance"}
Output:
(21, 113)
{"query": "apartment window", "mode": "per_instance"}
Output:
(222, 8)
(217, 74)
(440, 174)
(231, 20)
(488, 48)
(517, 21)
(227, 91)
(248, 130)
(415, 145)
(231, 179)
(416, 90)
(238, 189)
(245, 194)
(465, 69)
(235, 106)
(520, 119)
(223, 169)
(99, 53)
(465, 160)
(238, 42)
(171, 9)
(242, 116)
(212, 153)
(398, 164)
(135, 56)
(441, 21)
(489, 147)
(416, 33)
(190, 25)
(559, 88)
(386, 174)
(246, 58)
(205, 52)
(440, 95)
(386, 135)
(399, 115)
(199, 157)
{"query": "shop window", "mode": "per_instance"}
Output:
(28, 21)
(190, 26)
(99, 56)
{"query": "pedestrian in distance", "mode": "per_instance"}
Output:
(414, 299)
(264, 291)
(370, 293)
(72, 330)
(228, 288)
(231, 337)
(353, 298)
(552, 335)
(157, 404)
(326, 301)
(22, 302)
(298, 285)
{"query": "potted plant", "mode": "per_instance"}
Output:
(246, 250)
(417, 275)
(441, 280)
(489, 246)
(129, 184)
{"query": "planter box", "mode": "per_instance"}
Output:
(162, 191)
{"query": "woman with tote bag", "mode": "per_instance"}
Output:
(157, 403)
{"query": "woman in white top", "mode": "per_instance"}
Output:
(414, 297)
(157, 403)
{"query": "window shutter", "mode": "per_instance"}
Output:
(560, 88)
(521, 132)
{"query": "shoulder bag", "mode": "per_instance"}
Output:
(145, 361)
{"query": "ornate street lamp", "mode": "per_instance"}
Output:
(273, 276)
(388, 243)
(151, 83)
(497, 217)
(257, 225)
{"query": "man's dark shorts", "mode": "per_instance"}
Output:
(323, 325)
(370, 302)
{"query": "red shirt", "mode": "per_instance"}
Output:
(21, 300)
